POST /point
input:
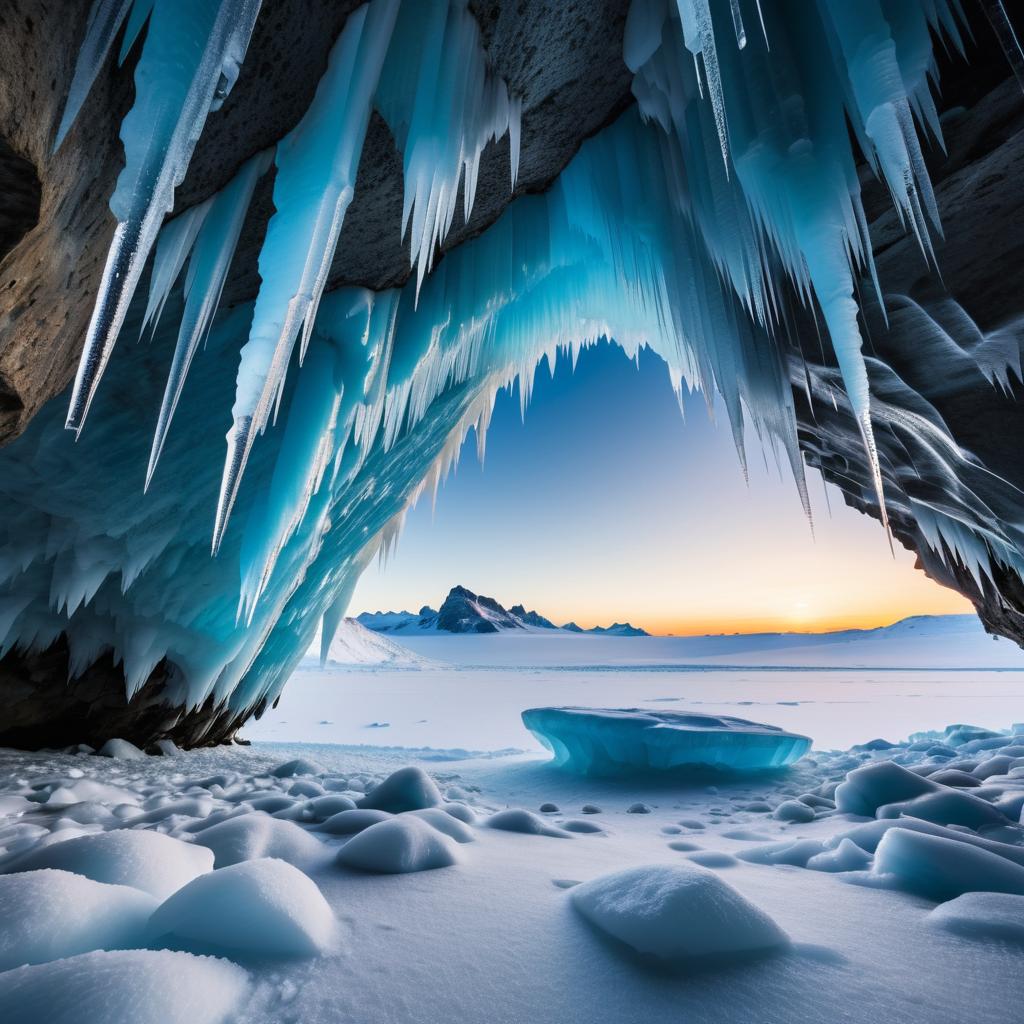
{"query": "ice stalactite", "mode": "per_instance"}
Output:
(788, 197)
(212, 247)
(443, 106)
(316, 174)
(1007, 36)
(190, 60)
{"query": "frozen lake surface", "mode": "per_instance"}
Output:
(839, 688)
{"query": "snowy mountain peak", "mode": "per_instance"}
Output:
(463, 611)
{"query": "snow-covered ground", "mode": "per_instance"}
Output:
(732, 928)
(289, 882)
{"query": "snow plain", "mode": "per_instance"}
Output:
(465, 905)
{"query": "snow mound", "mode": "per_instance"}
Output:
(983, 915)
(408, 789)
(517, 819)
(135, 986)
(680, 912)
(941, 869)
(948, 807)
(447, 823)
(264, 907)
(793, 811)
(139, 858)
(300, 766)
(121, 749)
(256, 835)
(348, 823)
(355, 646)
(398, 846)
(48, 915)
(594, 741)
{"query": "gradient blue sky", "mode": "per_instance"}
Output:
(605, 505)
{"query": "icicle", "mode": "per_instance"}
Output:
(316, 170)
(1007, 36)
(189, 46)
(737, 24)
(105, 19)
(222, 221)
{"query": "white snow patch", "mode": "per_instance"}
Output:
(265, 907)
(678, 912)
(49, 914)
(125, 987)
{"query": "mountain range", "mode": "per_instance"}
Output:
(462, 611)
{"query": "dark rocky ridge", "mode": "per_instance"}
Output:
(565, 59)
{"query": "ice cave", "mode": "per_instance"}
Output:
(265, 264)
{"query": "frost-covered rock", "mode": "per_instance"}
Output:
(679, 912)
(397, 846)
(137, 986)
(139, 858)
(264, 907)
(408, 789)
(595, 741)
(983, 915)
(942, 869)
(48, 915)
(251, 836)
(518, 819)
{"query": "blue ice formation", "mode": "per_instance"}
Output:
(602, 741)
(683, 226)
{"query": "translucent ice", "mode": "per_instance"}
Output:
(595, 741)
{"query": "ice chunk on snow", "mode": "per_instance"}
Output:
(940, 868)
(250, 836)
(983, 915)
(595, 741)
(679, 912)
(847, 856)
(137, 986)
(264, 906)
(51, 914)
(952, 807)
(408, 789)
(398, 846)
(145, 860)
(885, 782)
(793, 810)
(517, 819)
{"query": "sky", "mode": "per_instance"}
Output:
(607, 505)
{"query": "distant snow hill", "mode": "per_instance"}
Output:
(355, 646)
(466, 612)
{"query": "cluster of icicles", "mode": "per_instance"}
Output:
(682, 228)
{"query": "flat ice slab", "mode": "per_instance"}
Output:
(602, 741)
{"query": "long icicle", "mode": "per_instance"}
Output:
(206, 45)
